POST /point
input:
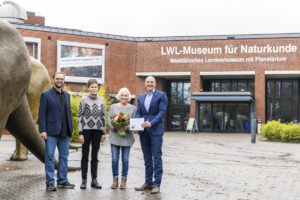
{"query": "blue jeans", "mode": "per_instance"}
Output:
(115, 152)
(62, 144)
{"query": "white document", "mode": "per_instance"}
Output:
(136, 124)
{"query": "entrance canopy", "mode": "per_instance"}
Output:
(223, 96)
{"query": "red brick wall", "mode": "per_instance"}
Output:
(119, 58)
(124, 58)
(149, 59)
(33, 19)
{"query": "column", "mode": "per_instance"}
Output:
(260, 95)
(195, 87)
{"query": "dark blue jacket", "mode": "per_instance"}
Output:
(156, 113)
(50, 113)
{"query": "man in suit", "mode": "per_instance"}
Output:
(152, 106)
(55, 126)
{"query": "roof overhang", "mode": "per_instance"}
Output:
(167, 75)
(222, 96)
(283, 74)
(227, 74)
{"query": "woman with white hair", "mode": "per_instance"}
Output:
(119, 142)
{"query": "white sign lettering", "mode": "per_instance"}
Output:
(229, 50)
(188, 50)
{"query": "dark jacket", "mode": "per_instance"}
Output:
(50, 113)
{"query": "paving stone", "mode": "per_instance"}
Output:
(196, 166)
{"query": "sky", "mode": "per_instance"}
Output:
(146, 18)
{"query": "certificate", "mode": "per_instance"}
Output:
(136, 124)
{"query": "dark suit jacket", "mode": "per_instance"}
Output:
(156, 113)
(50, 113)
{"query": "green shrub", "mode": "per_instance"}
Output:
(104, 93)
(277, 131)
(75, 101)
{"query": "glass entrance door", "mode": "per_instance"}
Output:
(224, 117)
(179, 105)
(178, 118)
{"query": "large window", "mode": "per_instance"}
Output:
(180, 93)
(179, 104)
(224, 117)
(232, 85)
(282, 97)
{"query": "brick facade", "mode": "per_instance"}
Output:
(32, 18)
(125, 58)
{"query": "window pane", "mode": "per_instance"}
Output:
(270, 99)
(174, 93)
(205, 116)
(287, 89)
(234, 86)
(186, 93)
(251, 87)
(218, 116)
(217, 87)
(226, 86)
(208, 85)
(242, 85)
(242, 117)
(295, 101)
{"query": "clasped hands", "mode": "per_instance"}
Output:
(146, 124)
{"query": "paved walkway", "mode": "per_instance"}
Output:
(196, 166)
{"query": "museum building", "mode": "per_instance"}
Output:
(218, 80)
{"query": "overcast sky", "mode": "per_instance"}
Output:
(170, 17)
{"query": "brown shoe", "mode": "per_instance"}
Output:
(115, 183)
(155, 190)
(123, 183)
(144, 187)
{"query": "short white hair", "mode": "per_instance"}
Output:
(124, 90)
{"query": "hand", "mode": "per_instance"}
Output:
(81, 139)
(44, 135)
(146, 124)
(122, 129)
(106, 130)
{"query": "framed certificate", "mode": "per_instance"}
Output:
(136, 124)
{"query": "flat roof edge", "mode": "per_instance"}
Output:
(154, 39)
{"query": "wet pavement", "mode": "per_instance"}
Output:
(196, 166)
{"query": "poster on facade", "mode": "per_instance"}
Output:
(80, 61)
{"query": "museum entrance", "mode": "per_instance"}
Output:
(179, 104)
(231, 112)
(224, 117)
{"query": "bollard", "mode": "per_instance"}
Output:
(253, 123)
(258, 126)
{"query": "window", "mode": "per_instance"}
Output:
(224, 85)
(180, 93)
(282, 96)
(179, 104)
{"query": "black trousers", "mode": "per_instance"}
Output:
(90, 137)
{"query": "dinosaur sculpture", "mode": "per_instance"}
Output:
(39, 82)
(15, 74)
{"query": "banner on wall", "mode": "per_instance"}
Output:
(80, 61)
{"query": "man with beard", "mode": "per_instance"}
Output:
(55, 126)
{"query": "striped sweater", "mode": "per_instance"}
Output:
(91, 114)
